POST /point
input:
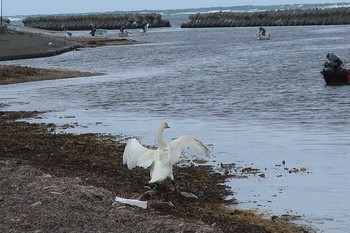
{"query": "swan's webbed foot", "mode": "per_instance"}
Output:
(146, 195)
(159, 187)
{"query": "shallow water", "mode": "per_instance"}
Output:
(256, 103)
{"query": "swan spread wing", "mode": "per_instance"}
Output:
(177, 146)
(137, 155)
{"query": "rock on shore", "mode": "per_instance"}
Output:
(333, 16)
(105, 21)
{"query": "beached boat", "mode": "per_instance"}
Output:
(142, 32)
(131, 34)
(98, 32)
(101, 31)
(334, 71)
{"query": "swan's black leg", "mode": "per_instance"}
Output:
(174, 184)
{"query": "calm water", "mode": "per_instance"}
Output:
(256, 102)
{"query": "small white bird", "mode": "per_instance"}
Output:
(162, 159)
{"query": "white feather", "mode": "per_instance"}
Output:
(137, 155)
(164, 157)
(186, 143)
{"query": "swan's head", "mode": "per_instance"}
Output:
(165, 125)
(160, 142)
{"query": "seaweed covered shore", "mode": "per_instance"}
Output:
(10, 74)
(67, 183)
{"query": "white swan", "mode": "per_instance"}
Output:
(162, 159)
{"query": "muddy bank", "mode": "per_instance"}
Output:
(88, 21)
(10, 74)
(64, 182)
(294, 17)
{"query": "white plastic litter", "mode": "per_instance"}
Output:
(134, 202)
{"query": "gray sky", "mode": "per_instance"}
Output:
(32, 7)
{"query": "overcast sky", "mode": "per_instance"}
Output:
(32, 7)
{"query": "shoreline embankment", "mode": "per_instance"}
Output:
(103, 21)
(25, 42)
(292, 17)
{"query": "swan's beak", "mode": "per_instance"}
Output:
(165, 125)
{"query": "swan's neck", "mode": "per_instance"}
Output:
(160, 141)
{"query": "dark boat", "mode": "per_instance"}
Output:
(334, 71)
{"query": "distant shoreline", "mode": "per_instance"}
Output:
(292, 17)
(181, 15)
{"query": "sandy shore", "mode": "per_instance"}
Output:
(66, 183)
(22, 43)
